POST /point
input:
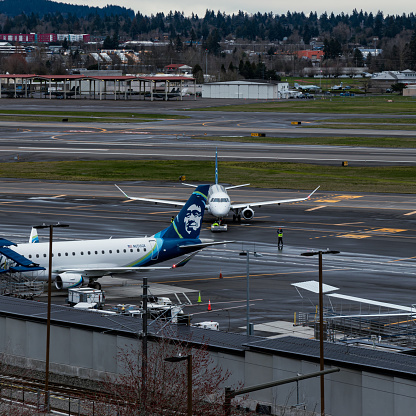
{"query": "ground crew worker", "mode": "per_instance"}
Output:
(172, 219)
(280, 238)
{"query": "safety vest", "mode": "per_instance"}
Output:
(280, 234)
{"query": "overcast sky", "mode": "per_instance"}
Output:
(233, 6)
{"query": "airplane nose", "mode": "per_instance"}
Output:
(221, 210)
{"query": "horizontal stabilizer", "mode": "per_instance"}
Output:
(185, 260)
(205, 244)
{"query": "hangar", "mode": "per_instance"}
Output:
(100, 86)
(246, 90)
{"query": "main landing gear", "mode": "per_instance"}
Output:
(94, 285)
(237, 217)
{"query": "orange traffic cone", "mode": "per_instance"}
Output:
(209, 305)
(220, 275)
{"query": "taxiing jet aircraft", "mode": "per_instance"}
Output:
(219, 202)
(79, 262)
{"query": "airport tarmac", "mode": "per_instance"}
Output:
(375, 234)
(172, 138)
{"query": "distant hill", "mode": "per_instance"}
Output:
(41, 7)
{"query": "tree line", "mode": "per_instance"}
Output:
(240, 44)
(24, 16)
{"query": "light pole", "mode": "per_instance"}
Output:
(247, 253)
(48, 322)
(321, 322)
(206, 63)
(189, 359)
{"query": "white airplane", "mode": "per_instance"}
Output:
(219, 202)
(78, 262)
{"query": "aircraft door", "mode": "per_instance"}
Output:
(154, 249)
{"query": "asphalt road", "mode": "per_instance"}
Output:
(374, 233)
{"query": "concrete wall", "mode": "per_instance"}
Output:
(89, 354)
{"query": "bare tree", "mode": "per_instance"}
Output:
(161, 388)
(15, 64)
(9, 394)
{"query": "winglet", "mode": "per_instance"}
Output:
(313, 192)
(122, 191)
(34, 236)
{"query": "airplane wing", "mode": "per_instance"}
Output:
(277, 201)
(100, 271)
(155, 201)
(236, 186)
(189, 184)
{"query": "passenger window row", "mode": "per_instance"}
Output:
(88, 253)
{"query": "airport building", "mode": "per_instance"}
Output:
(85, 345)
(246, 90)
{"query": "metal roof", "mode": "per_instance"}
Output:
(341, 355)
(161, 78)
(313, 286)
(335, 354)
(373, 302)
(123, 325)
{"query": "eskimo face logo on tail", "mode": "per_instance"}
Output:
(187, 224)
(193, 218)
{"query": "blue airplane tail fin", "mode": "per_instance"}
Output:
(187, 224)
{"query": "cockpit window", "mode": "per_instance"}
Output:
(219, 200)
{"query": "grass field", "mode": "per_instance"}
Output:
(336, 105)
(262, 175)
(83, 116)
(398, 142)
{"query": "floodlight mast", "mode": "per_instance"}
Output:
(321, 322)
(48, 321)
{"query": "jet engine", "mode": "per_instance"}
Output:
(248, 213)
(66, 280)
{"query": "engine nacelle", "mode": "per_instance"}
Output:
(66, 280)
(247, 213)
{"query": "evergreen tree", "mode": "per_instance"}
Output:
(358, 57)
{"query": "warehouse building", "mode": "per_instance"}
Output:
(246, 90)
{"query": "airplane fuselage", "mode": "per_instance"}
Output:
(219, 202)
(87, 259)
